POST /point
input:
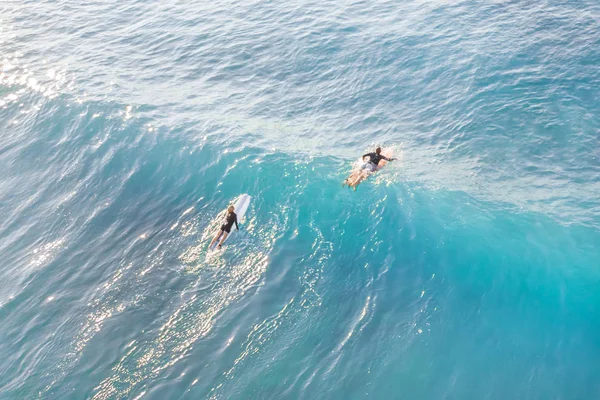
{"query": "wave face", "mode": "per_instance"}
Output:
(468, 269)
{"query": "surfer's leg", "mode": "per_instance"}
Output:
(223, 237)
(217, 236)
(358, 178)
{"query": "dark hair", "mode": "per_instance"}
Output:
(378, 149)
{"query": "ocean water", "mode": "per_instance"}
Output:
(467, 269)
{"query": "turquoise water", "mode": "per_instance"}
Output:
(468, 269)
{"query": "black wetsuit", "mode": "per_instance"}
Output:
(230, 219)
(374, 158)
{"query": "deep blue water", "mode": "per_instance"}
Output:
(468, 269)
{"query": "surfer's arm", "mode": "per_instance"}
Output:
(367, 155)
(388, 159)
(236, 224)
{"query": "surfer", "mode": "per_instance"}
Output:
(374, 159)
(230, 219)
(370, 165)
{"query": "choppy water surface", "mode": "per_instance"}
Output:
(468, 269)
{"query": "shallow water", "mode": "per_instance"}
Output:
(468, 269)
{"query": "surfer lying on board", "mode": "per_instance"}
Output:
(230, 219)
(374, 159)
(368, 167)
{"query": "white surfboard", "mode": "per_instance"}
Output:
(240, 207)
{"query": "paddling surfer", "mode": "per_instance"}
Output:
(374, 159)
(230, 219)
(369, 166)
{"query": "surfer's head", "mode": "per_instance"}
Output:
(378, 150)
(230, 209)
